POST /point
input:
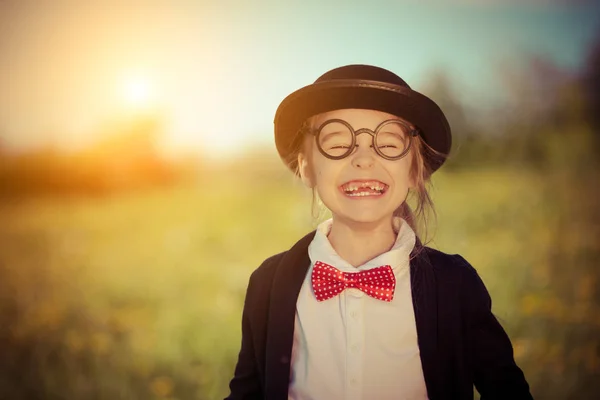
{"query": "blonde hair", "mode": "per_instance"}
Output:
(425, 161)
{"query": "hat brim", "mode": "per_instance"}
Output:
(322, 97)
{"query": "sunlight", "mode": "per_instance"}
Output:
(138, 92)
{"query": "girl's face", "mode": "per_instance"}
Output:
(363, 187)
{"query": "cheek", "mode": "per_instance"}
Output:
(400, 170)
(325, 174)
(320, 176)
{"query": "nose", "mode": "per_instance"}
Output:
(364, 155)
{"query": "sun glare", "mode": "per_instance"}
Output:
(138, 92)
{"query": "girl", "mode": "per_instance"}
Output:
(360, 308)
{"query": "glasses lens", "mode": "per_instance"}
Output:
(335, 139)
(392, 139)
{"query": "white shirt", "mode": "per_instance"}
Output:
(353, 346)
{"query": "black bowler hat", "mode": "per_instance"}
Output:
(366, 87)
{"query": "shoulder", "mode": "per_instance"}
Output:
(454, 269)
(264, 274)
(267, 268)
(445, 263)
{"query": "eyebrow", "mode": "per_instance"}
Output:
(401, 134)
(330, 135)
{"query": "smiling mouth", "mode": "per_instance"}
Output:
(364, 188)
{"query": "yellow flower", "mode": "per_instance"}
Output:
(100, 343)
(162, 386)
(74, 341)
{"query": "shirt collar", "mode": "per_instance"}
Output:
(397, 257)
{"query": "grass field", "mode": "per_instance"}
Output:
(138, 296)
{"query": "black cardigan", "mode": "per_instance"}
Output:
(460, 341)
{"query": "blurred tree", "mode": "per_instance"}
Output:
(591, 84)
(563, 329)
(127, 158)
(443, 93)
(464, 136)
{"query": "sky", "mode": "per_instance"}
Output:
(214, 72)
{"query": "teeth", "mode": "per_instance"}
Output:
(373, 186)
(362, 194)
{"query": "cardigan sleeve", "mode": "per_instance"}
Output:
(245, 383)
(496, 375)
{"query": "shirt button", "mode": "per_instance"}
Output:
(353, 381)
(355, 348)
(354, 314)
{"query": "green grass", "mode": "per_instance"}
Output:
(140, 295)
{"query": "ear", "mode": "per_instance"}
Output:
(304, 170)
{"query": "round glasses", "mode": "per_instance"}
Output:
(392, 139)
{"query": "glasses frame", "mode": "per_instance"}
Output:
(410, 130)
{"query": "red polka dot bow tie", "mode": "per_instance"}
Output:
(328, 281)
